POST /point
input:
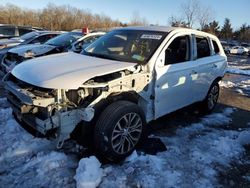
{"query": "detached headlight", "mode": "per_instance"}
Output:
(29, 54)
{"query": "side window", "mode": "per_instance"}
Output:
(42, 39)
(178, 51)
(23, 31)
(203, 49)
(49, 36)
(216, 47)
(8, 31)
(86, 42)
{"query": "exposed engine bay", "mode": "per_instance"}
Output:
(56, 112)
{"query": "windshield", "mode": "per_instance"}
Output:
(126, 45)
(64, 40)
(29, 35)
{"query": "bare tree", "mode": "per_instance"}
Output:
(137, 19)
(177, 22)
(191, 9)
(204, 16)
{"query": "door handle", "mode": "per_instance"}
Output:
(193, 72)
(214, 65)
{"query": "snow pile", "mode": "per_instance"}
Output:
(238, 71)
(89, 173)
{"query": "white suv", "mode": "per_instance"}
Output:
(123, 80)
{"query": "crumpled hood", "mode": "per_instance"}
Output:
(66, 70)
(37, 49)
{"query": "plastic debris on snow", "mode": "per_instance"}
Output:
(89, 173)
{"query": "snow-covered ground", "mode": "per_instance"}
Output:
(242, 87)
(195, 156)
(238, 71)
(238, 65)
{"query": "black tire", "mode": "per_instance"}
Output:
(209, 103)
(108, 134)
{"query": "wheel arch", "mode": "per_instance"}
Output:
(130, 96)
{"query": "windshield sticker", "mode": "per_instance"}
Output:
(148, 36)
(138, 57)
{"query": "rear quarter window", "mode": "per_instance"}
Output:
(216, 47)
(23, 31)
(203, 49)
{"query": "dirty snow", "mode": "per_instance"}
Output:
(194, 157)
(238, 71)
(242, 87)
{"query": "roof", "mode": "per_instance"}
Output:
(48, 32)
(165, 29)
(22, 26)
(148, 28)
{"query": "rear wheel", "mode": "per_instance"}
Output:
(211, 99)
(118, 130)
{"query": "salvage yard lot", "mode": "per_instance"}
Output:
(200, 151)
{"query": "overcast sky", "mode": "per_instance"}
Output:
(156, 12)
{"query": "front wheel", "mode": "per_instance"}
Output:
(119, 129)
(211, 99)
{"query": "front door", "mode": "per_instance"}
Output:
(174, 73)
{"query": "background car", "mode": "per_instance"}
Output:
(8, 31)
(239, 50)
(35, 37)
(19, 54)
(85, 41)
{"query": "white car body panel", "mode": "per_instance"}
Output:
(65, 70)
(181, 84)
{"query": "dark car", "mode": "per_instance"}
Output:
(35, 37)
(21, 53)
(8, 30)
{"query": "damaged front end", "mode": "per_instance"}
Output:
(48, 111)
(56, 112)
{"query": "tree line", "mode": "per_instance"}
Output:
(54, 17)
(192, 13)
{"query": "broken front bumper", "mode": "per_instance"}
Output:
(26, 105)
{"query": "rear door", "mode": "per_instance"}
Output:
(207, 62)
(174, 72)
